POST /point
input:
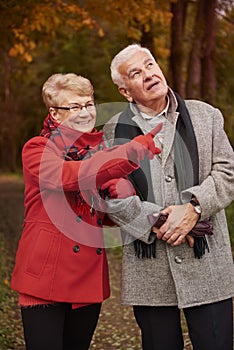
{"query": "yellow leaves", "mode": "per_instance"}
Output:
(134, 33)
(162, 50)
(6, 282)
(88, 22)
(48, 19)
(44, 21)
(18, 34)
(101, 33)
(22, 46)
(163, 17)
(27, 57)
(36, 25)
(31, 44)
(16, 49)
(139, 16)
(75, 16)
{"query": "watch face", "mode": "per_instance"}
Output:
(196, 206)
(197, 209)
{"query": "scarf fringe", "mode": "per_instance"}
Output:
(143, 250)
(200, 246)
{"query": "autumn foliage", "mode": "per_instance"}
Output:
(192, 41)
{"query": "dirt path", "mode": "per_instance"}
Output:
(116, 330)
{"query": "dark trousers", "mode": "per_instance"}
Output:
(210, 326)
(59, 327)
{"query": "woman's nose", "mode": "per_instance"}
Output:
(83, 112)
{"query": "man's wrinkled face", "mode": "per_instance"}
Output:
(144, 81)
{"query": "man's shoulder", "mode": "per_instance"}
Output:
(198, 105)
(122, 117)
(109, 128)
(202, 112)
(113, 120)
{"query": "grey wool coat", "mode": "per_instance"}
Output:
(175, 276)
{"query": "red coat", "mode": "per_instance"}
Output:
(61, 255)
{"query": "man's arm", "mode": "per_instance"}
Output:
(214, 193)
(130, 214)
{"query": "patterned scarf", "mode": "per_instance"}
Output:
(89, 142)
(87, 204)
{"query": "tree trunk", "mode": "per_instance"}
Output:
(147, 39)
(208, 83)
(7, 137)
(193, 86)
(178, 10)
(201, 81)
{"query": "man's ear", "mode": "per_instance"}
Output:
(126, 94)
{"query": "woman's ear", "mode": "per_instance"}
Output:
(53, 113)
(126, 94)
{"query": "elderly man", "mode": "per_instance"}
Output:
(170, 266)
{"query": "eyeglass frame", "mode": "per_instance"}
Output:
(78, 107)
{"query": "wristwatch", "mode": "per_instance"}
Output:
(196, 206)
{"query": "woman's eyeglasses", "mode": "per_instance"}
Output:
(90, 106)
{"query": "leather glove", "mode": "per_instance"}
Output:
(200, 229)
(143, 145)
(118, 188)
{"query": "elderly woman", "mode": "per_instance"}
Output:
(61, 271)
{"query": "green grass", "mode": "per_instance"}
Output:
(10, 324)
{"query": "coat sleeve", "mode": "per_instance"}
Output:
(216, 190)
(46, 166)
(130, 214)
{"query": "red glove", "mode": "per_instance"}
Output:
(118, 188)
(143, 145)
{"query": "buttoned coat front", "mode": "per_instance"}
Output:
(61, 255)
(175, 276)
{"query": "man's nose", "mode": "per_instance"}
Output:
(147, 75)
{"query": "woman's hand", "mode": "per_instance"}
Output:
(118, 188)
(143, 145)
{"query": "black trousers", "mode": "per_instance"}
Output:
(210, 326)
(59, 327)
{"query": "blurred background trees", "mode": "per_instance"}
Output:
(191, 39)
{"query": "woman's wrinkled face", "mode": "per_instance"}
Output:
(80, 114)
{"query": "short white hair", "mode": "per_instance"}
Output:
(123, 56)
(60, 82)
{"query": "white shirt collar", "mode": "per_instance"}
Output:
(163, 113)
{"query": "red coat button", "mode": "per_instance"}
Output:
(76, 249)
(99, 251)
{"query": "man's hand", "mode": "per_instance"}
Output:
(180, 221)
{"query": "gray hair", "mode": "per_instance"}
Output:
(64, 82)
(123, 56)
